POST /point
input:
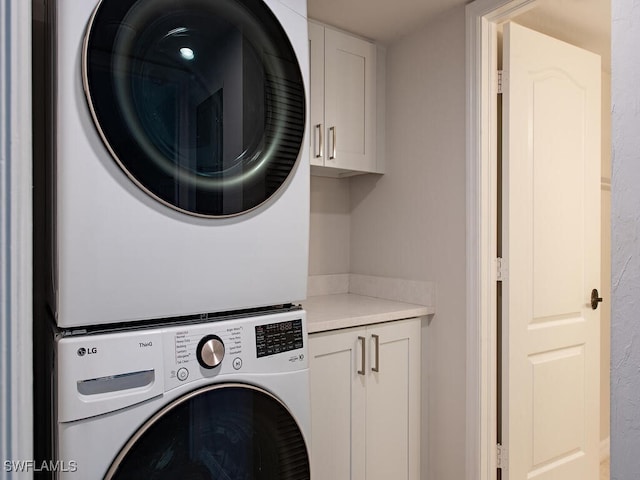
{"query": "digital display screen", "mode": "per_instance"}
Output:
(277, 338)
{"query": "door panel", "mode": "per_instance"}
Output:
(561, 372)
(551, 234)
(557, 194)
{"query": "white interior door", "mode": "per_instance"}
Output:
(551, 243)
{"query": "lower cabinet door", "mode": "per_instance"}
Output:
(365, 402)
(338, 402)
(393, 401)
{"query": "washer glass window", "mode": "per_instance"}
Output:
(201, 102)
(222, 432)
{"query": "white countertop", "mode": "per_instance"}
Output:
(343, 310)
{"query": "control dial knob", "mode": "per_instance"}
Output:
(210, 351)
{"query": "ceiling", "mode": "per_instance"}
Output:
(380, 20)
(586, 23)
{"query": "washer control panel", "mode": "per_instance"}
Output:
(100, 373)
(275, 338)
(189, 342)
(260, 344)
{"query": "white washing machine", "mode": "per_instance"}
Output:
(222, 400)
(180, 180)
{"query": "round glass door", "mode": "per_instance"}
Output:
(232, 431)
(200, 102)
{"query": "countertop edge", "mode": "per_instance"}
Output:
(318, 322)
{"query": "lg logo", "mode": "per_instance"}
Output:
(87, 351)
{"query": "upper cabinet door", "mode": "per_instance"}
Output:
(343, 103)
(316, 96)
(350, 101)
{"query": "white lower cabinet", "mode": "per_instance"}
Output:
(365, 402)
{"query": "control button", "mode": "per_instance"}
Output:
(237, 363)
(210, 351)
(182, 374)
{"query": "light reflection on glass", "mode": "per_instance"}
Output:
(187, 53)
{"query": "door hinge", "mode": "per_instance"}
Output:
(500, 81)
(502, 460)
(501, 269)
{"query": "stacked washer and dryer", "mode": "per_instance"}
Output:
(180, 211)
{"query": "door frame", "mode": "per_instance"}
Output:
(16, 229)
(482, 19)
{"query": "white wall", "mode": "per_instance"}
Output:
(410, 222)
(625, 244)
(329, 235)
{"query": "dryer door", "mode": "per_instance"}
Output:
(200, 102)
(231, 431)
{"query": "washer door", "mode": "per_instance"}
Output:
(201, 102)
(231, 431)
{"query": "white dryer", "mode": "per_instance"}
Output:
(228, 399)
(180, 183)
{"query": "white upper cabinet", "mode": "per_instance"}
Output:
(343, 103)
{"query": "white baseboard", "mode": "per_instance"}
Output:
(605, 446)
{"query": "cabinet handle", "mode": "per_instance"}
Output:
(319, 141)
(376, 339)
(333, 147)
(363, 356)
